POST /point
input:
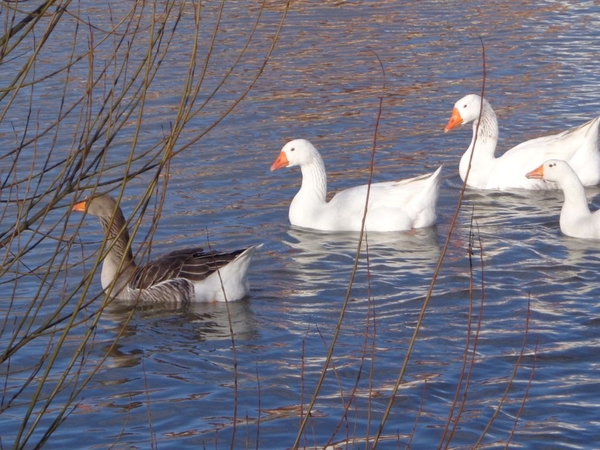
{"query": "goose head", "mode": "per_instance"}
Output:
(465, 110)
(552, 170)
(298, 152)
(99, 206)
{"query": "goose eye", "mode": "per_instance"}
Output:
(464, 106)
(292, 149)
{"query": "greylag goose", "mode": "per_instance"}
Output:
(393, 206)
(187, 275)
(578, 146)
(576, 220)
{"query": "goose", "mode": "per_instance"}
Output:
(576, 220)
(186, 275)
(393, 206)
(578, 146)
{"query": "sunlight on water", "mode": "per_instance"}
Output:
(177, 378)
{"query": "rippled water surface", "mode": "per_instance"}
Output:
(514, 295)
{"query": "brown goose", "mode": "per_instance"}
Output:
(187, 275)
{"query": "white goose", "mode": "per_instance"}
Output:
(393, 205)
(576, 220)
(187, 275)
(578, 146)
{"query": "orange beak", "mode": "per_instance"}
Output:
(280, 162)
(537, 173)
(81, 206)
(455, 120)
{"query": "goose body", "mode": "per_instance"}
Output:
(393, 206)
(576, 220)
(186, 275)
(578, 146)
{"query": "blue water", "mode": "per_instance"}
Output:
(514, 295)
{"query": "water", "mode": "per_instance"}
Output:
(524, 304)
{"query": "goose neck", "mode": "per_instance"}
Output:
(575, 200)
(314, 180)
(485, 131)
(119, 258)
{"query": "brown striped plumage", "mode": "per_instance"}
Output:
(184, 275)
(193, 264)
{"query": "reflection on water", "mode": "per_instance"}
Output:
(206, 321)
(319, 259)
(311, 242)
(197, 322)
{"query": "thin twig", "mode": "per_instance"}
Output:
(429, 294)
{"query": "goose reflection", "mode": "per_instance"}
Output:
(518, 234)
(323, 261)
(514, 215)
(184, 324)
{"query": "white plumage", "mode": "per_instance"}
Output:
(578, 146)
(393, 205)
(576, 220)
